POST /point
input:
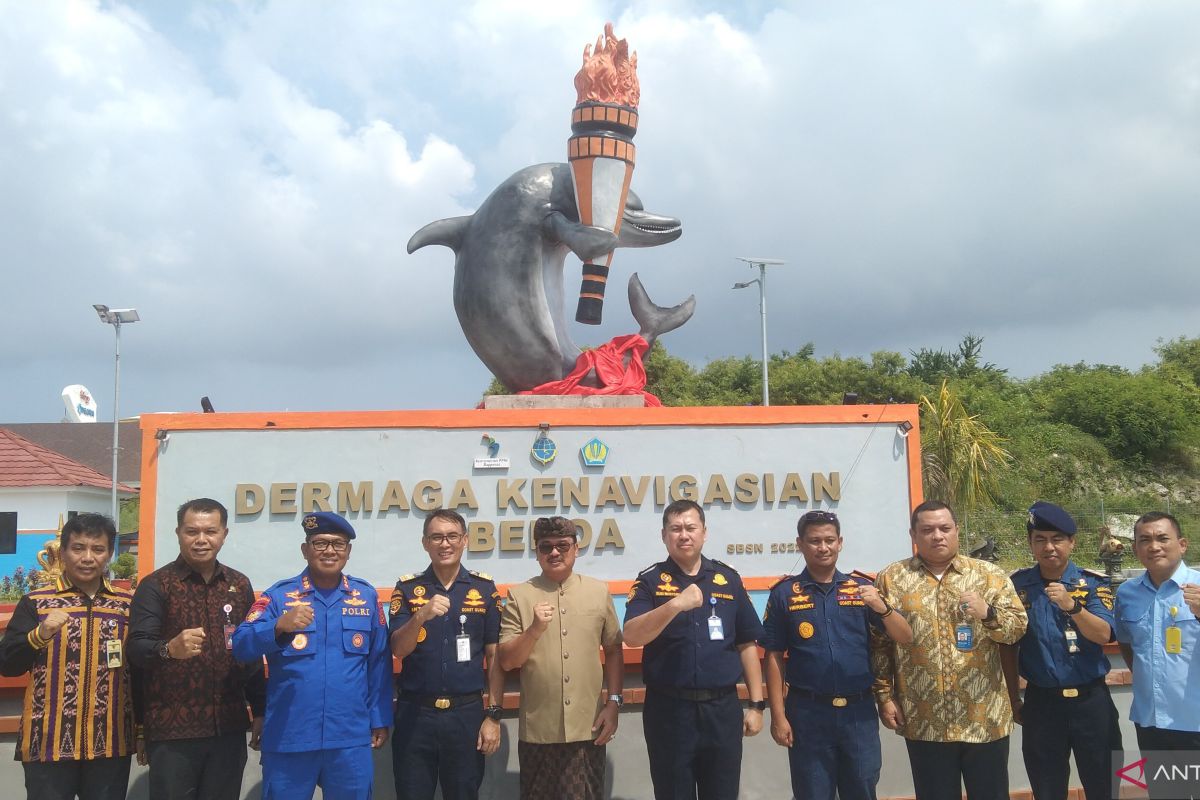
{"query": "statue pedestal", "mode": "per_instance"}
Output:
(510, 401)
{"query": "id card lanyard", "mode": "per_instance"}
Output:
(716, 631)
(964, 634)
(463, 640)
(229, 626)
(1173, 640)
(1071, 634)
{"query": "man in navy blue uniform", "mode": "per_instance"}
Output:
(1067, 706)
(443, 623)
(822, 619)
(699, 630)
(329, 690)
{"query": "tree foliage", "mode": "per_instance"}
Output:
(961, 457)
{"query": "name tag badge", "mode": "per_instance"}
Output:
(229, 629)
(964, 637)
(463, 643)
(716, 631)
(1072, 640)
(1173, 641)
(112, 649)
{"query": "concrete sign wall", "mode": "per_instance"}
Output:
(754, 470)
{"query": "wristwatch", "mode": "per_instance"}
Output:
(756, 705)
(1075, 609)
(618, 699)
(493, 712)
(164, 650)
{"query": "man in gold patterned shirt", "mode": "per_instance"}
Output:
(945, 691)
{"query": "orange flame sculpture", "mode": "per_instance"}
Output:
(601, 151)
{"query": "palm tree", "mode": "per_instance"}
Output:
(960, 456)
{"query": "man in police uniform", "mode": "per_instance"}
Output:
(822, 620)
(1067, 706)
(329, 693)
(443, 622)
(700, 631)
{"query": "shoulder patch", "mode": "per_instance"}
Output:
(862, 577)
(405, 578)
(784, 579)
(651, 568)
(481, 575)
(723, 565)
(1095, 573)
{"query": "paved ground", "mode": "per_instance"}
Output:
(764, 766)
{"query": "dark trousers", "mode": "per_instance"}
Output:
(1054, 726)
(695, 747)
(98, 779)
(834, 750)
(1153, 742)
(940, 769)
(431, 745)
(209, 768)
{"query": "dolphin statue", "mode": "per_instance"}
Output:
(508, 273)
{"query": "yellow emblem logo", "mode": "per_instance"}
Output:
(421, 635)
(299, 641)
(354, 600)
(665, 577)
(806, 630)
(419, 591)
(474, 598)
(796, 588)
(357, 640)
(310, 522)
(397, 605)
(719, 579)
(632, 592)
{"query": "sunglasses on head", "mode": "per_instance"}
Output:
(819, 516)
(546, 548)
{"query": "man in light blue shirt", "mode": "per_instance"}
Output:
(1158, 628)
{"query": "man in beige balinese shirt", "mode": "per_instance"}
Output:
(552, 629)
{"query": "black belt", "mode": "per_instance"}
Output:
(1069, 692)
(696, 695)
(441, 702)
(835, 700)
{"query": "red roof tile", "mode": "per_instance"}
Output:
(23, 463)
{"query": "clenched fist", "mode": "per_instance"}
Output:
(52, 624)
(1058, 594)
(187, 644)
(543, 612)
(690, 598)
(438, 606)
(298, 618)
(872, 598)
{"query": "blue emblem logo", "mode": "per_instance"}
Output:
(594, 453)
(493, 446)
(544, 449)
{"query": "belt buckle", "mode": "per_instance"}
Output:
(1070, 692)
(840, 702)
(442, 702)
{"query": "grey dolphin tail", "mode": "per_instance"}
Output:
(653, 321)
(449, 232)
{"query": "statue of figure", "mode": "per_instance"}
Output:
(508, 272)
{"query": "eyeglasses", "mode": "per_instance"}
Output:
(439, 539)
(322, 545)
(819, 516)
(546, 548)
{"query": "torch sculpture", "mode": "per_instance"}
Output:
(601, 152)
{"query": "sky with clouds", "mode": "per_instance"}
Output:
(247, 176)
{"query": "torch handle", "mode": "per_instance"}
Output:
(591, 293)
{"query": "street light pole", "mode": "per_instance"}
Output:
(116, 317)
(761, 280)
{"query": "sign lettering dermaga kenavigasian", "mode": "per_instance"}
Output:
(754, 470)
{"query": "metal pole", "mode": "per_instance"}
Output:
(116, 422)
(762, 305)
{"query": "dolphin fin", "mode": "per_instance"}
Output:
(653, 320)
(448, 232)
(585, 241)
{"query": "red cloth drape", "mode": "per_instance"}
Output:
(609, 362)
